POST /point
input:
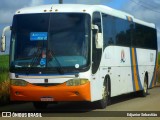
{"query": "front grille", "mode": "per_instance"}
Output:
(46, 84)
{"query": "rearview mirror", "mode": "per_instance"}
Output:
(99, 41)
(98, 37)
(3, 38)
(3, 44)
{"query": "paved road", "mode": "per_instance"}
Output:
(121, 103)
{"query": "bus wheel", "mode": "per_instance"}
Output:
(105, 96)
(40, 105)
(144, 92)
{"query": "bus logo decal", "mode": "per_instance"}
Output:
(122, 56)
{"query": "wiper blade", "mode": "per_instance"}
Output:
(34, 60)
(24, 58)
(52, 55)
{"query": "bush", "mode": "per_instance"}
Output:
(4, 79)
(4, 68)
(4, 91)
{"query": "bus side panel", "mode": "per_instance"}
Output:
(127, 67)
(96, 86)
(116, 62)
(147, 63)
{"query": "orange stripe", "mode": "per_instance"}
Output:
(135, 70)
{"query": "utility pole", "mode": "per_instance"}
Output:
(60, 1)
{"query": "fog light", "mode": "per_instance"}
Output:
(77, 93)
(18, 82)
(17, 93)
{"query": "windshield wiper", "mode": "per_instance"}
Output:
(35, 59)
(51, 55)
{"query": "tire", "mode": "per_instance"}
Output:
(106, 96)
(40, 105)
(144, 92)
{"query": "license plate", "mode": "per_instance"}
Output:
(47, 99)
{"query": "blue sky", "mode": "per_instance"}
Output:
(142, 9)
(117, 4)
(111, 3)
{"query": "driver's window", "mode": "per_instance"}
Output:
(97, 20)
(96, 53)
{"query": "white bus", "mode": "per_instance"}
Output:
(72, 52)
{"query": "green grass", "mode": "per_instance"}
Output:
(4, 79)
(4, 61)
(4, 68)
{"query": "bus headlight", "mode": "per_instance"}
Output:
(18, 82)
(76, 82)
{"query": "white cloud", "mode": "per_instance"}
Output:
(36, 2)
(8, 8)
(149, 11)
(6, 16)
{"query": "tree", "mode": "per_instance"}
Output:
(60, 1)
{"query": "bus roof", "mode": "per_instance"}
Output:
(80, 8)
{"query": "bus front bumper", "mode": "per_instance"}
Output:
(53, 93)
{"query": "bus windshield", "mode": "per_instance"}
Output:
(48, 41)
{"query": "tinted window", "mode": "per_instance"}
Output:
(116, 31)
(70, 32)
(108, 30)
(144, 37)
(47, 41)
(23, 26)
(123, 32)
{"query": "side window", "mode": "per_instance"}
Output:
(108, 30)
(120, 32)
(123, 32)
(116, 31)
(144, 37)
(138, 36)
